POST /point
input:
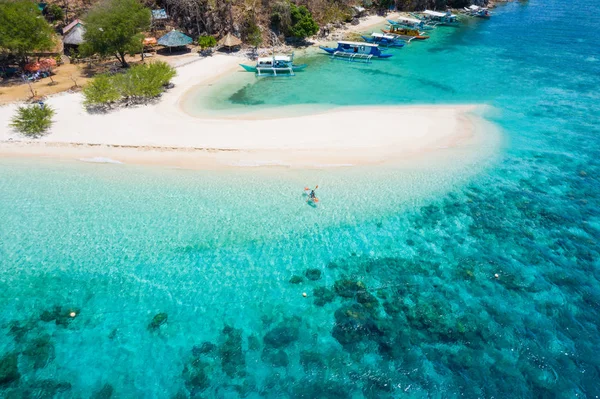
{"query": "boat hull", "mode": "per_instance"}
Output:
(421, 26)
(249, 68)
(337, 50)
(418, 37)
(382, 43)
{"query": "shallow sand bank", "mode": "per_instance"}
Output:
(163, 133)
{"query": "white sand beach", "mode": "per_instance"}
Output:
(163, 133)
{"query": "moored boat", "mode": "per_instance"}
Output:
(277, 65)
(353, 51)
(476, 11)
(384, 40)
(405, 33)
(438, 18)
(411, 23)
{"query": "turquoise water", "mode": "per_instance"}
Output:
(404, 302)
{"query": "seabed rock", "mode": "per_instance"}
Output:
(18, 331)
(61, 316)
(41, 351)
(157, 321)
(323, 295)
(277, 358)
(313, 274)
(354, 323)
(233, 358)
(311, 360)
(195, 378)
(46, 388)
(367, 300)
(348, 288)
(283, 335)
(296, 279)
(253, 343)
(204, 349)
(105, 392)
(9, 369)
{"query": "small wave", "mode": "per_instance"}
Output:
(254, 164)
(100, 160)
(333, 165)
(591, 59)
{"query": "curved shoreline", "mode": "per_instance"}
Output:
(164, 133)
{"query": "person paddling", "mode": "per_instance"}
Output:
(311, 195)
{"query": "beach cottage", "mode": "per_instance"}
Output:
(174, 39)
(73, 36)
(229, 41)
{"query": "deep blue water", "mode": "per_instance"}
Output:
(405, 302)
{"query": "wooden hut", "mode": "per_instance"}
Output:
(73, 35)
(229, 41)
(174, 39)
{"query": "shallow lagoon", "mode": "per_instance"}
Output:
(406, 302)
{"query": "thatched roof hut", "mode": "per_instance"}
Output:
(71, 25)
(230, 41)
(74, 37)
(174, 39)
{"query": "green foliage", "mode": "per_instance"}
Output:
(302, 22)
(458, 3)
(206, 41)
(55, 12)
(32, 120)
(22, 28)
(281, 18)
(114, 27)
(252, 33)
(386, 4)
(335, 12)
(139, 82)
(100, 91)
(145, 81)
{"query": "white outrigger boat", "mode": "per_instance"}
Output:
(476, 11)
(277, 65)
(411, 23)
(436, 18)
(355, 51)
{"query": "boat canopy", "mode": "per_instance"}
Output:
(382, 36)
(284, 58)
(409, 20)
(438, 14)
(359, 44)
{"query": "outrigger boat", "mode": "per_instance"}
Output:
(277, 65)
(384, 40)
(405, 33)
(476, 11)
(437, 18)
(411, 23)
(353, 51)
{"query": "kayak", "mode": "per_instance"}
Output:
(310, 200)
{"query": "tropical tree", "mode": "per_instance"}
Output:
(303, 24)
(251, 31)
(206, 41)
(55, 12)
(145, 81)
(140, 83)
(100, 92)
(114, 27)
(22, 29)
(33, 120)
